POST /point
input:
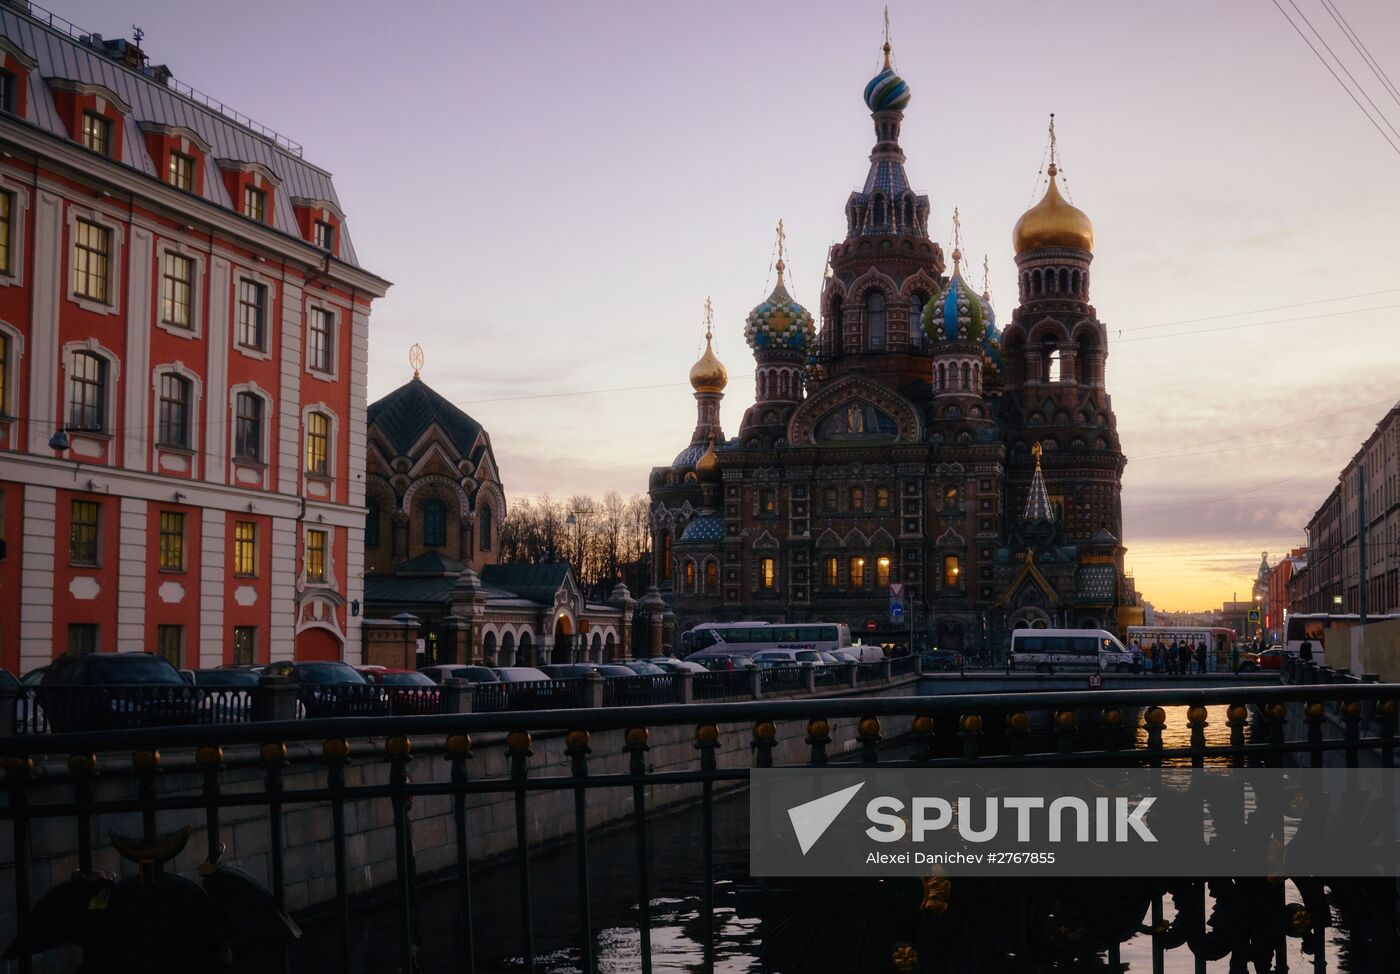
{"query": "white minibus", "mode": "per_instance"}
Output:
(1068, 650)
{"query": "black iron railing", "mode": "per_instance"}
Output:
(529, 695)
(639, 691)
(604, 754)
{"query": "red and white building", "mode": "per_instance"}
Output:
(183, 335)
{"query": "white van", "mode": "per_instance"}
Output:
(1070, 650)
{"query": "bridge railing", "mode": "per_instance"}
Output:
(539, 766)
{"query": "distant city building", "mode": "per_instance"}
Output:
(435, 504)
(1276, 595)
(913, 451)
(183, 326)
(1332, 578)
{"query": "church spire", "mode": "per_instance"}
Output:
(1038, 506)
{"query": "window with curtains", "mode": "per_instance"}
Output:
(318, 444)
(97, 133)
(882, 498)
(857, 572)
(768, 573)
(857, 498)
(831, 571)
(245, 548)
(180, 172)
(315, 555)
(875, 319)
(92, 254)
(174, 426)
(172, 541)
(952, 571)
(712, 577)
(882, 571)
(254, 204)
(85, 520)
(690, 576)
(176, 289)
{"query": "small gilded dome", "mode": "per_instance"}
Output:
(780, 322)
(707, 467)
(1053, 222)
(887, 91)
(959, 313)
(709, 373)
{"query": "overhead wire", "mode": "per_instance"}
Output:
(1340, 20)
(1342, 64)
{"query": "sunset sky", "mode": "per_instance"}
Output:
(555, 188)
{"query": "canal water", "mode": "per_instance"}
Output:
(675, 870)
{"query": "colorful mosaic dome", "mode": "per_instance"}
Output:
(887, 91)
(959, 313)
(780, 322)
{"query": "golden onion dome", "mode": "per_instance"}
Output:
(707, 467)
(709, 374)
(1053, 222)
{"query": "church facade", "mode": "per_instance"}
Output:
(913, 449)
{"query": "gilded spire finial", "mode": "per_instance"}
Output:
(957, 238)
(782, 242)
(415, 359)
(986, 278)
(1054, 150)
(887, 37)
(1036, 452)
(709, 320)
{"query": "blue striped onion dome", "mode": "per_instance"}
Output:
(780, 322)
(887, 92)
(959, 313)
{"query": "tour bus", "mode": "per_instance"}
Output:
(1220, 643)
(747, 638)
(1312, 626)
(1056, 650)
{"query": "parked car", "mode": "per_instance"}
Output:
(410, 692)
(679, 665)
(642, 667)
(100, 691)
(34, 676)
(611, 670)
(569, 671)
(450, 671)
(845, 656)
(776, 657)
(723, 662)
(868, 654)
(333, 689)
(226, 694)
(520, 674)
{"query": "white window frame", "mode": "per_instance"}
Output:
(241, 274)
(266, 436)
(332, 453)
(330, 581)
(18, 213)
(196, 326)
(314, 307)
(12, 370)
(114, 262)
(196, 400)
(114, 369)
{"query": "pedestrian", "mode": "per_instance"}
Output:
(1305, 651)
(1200, 657)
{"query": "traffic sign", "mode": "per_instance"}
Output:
(896, 611)
(896, 590)
(1253, 615)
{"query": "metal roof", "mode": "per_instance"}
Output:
(59, 55)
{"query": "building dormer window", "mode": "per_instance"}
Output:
(97, 133)
(325, 235)
(180, 172)
(255, 204)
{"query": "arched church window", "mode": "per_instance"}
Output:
(712, 577)
(690, 576)
(1052, 365)
(838, 324)
(1037, 283)
(666, 556)
(484, 518)
(372, 524)
(952, 571)
(916, 320)
(966, 376)
(879, 209)
(875, 318)
(1074, 283)
(434, 523)
(1064, 280)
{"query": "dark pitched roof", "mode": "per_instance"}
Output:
(405, 414)
(384, 591)
(430, 564)
(538, 583)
